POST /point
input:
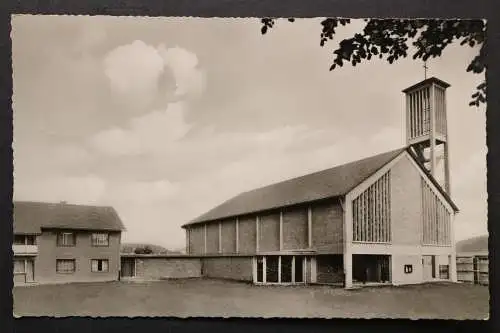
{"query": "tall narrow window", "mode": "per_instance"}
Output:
(260, 269)
(371, 213)
(433, 265)
(100, 239)
(299, 269)
(66, 239)
(272, 264)
(435, 218)
(286, 269)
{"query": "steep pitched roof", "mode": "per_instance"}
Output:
(330, 183)
(333, 182)
(32, 217)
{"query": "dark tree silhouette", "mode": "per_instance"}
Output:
(390, 39)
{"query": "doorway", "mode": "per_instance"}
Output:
(128, 267)
(30, 270)
(371, 268)
(429, 267)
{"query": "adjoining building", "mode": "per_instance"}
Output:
(60, 242)
(382, 219)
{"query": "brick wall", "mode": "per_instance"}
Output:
(329, 269)
(213, 238)
(197, 239)
(269, 232)
(229, 236)
(246, 234)
(295, 228)
(327, 227)
(167, 268)
(234, 268)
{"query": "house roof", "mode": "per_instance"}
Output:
(330, 183)
(32, 217)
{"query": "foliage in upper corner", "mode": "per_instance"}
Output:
(391, 39)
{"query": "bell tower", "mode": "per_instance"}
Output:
(427, 129)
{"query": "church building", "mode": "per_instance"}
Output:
(384, 219)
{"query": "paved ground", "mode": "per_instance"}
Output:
(212, 298)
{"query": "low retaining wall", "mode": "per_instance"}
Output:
(231, 268)
(163, 267)
(158, 267)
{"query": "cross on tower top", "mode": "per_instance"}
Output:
(425, 69)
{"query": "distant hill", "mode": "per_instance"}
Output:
(157, 249)
(474, 244)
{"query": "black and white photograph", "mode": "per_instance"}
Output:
(249, 167)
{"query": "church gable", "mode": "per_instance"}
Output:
(400, 204)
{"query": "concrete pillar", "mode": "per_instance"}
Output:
(254, 269)
(453, 267)
(348, 270)
(220, 237)
(237, 245)
(205, 238)
(281, 230)
(313, 277)
(257, 233)
(309, 227)
(453, 263)
(348, 221)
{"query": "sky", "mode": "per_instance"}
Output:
(165, 118)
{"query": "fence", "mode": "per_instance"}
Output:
(473, 269)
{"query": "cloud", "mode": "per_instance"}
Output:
(55, 159)
(183, 64)
(142, 192)
(84, 190)
(151, 133)
(133, 71)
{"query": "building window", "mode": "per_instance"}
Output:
(279, 269)
(436, 219)
(65, 266)
(371, 212)
(66, 239)
(100, 239)
(24, 240)
(18, 240)
(100, 265)
(30, 240)
(444, 272)
(19, 266)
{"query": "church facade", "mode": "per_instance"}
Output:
(384, 219)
